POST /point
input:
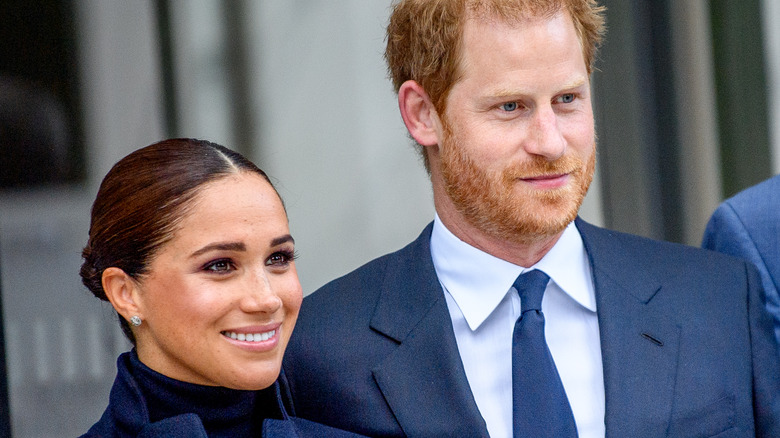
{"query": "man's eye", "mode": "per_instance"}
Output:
(566, 98)
(509, 106)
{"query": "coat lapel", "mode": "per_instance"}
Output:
(423, 380)
(639, 339)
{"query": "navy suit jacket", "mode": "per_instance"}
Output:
(748, 226)
(686, 342)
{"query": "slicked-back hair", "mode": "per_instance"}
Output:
(141, 201)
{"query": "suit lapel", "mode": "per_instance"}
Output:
(423, 380)
(639, 339)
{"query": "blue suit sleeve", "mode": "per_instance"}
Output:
(766, 361)
(726, 233)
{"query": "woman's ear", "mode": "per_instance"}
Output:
(122, 291)
(419, 114)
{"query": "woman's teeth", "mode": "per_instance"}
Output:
(250, 337)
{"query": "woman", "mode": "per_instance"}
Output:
(189, 242)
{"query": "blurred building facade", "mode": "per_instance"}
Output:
(687, 96)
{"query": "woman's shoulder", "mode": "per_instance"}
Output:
(188, 425)
(127, 413)
(300, 428)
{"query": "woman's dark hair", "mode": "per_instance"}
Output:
(142, 199)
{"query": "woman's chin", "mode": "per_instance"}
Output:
(254, 380)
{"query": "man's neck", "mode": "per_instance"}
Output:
(525, 254)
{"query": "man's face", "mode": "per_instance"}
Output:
(517, 145)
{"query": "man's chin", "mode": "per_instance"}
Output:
(543, 221)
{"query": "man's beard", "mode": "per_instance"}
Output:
(497, 204)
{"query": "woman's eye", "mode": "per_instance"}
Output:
(509, 106)
(222, 265)
(280, 258)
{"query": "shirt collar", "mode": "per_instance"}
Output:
(478, 281)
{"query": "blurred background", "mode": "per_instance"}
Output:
(686, 92)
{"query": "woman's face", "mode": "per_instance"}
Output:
(221, 298)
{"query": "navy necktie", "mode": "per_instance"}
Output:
(540, 407)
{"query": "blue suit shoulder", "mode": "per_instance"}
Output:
(336, 343)
(357, 291)
(761, 199)
(609, 249)
(747, 222)
(748, 226)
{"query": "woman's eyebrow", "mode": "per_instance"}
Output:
(282, 239)
(220, 246)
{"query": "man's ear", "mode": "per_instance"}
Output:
(419, 114)
(122, 291)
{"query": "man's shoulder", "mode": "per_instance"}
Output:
(625, 248)
(690, 280)
(767, 187)
(748, 224)
(365, 281)
(762, 198)
(608, 239)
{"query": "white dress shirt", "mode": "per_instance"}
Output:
(484, 306)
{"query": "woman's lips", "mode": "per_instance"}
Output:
(254, 338)
(250, 337)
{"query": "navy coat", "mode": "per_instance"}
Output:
(127, 415)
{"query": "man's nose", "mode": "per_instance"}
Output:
(545, 138)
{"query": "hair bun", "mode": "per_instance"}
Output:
(91, 276)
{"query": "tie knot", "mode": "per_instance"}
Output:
(530, 286)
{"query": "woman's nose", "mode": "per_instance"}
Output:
(259, 295)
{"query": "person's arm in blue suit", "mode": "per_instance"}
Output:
(748, 226)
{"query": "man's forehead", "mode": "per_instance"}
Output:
(474, 28)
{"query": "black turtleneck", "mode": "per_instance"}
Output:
(145, 403)
(224, 412)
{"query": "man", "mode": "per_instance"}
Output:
(748, 226)
(648, 338)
